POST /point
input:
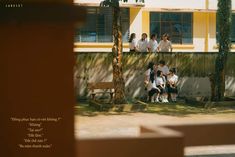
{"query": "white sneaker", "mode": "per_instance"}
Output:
(152, 100)
(157, 100)
(163, 100)
(166, 101)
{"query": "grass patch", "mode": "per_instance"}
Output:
(171, 109)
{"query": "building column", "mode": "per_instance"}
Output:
(146, 22)
(199, 31)
(212, 32)
(207, 27)
(136, 21)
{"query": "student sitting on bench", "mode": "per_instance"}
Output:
(152, 88)
(160, 83)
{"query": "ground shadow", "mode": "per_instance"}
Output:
(170, 109)
(213, 155)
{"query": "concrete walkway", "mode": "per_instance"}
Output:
(128, 125)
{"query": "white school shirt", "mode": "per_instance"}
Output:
(151, 85)
(165, 46)
(142, 46)
(133, 44)
(159, 81)
(164, 69)
(147, 74)
(173, 79)
(152, 45)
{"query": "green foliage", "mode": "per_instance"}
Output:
(179, 109)
(224, 23)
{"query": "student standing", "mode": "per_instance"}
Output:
(153, 44)
(133, 43)
(165, 45)
(142, 45)
(163, 67)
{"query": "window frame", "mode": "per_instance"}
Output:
(78, 36)
(165, 21)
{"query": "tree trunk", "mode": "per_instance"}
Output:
(224, 24)
(220, 79)
(212, 83)
(119, 84)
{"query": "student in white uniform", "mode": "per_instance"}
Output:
(165, 45)
(160, 83)
(133, 43)
(150, 69)
(163, 67)
(153, 44)
(152, 88)
(172, 84)
(142, 45)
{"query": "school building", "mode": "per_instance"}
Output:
(191, 24)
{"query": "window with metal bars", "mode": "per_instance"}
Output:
(178, 25)
(98, 26)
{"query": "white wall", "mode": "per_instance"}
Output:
(87, 1)
(97, 2)
(136, 22)
(170, 4)
(185, 4)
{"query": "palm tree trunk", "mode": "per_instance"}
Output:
(119, 84)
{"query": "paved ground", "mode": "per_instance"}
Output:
(128, 125)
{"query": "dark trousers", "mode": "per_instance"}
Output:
(152, 92)
(132, 50)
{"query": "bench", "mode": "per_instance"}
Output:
(107, 87)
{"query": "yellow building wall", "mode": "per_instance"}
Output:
(212, 32)
(204, 33)
(199, 31)
(146, 22)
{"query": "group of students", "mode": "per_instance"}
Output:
(143, 45)
(161, 82)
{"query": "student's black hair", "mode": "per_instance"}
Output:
(150, 66)
(152, 78)
(159, 73)
(145, 35)
(132, 37)
(166, 35)
(173, 70)
(162, 62)
(153, 36)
